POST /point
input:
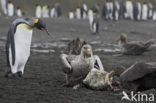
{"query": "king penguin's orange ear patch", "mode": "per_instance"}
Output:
(36, 21)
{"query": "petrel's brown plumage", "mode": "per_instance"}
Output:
(133, 48)
(74, 46)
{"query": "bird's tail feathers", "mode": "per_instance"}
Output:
(149, 43)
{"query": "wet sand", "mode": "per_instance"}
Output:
(43, 72)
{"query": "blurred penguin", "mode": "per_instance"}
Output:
(18, 12)
(96, 7)
(137, 10)
(52, 13)
(128, 10)
(23, 13)
(4, 6)
(105, 10)
(71, 14)
(90, 18)
(150, 10)
(38, 12)
(78, 13)
(57, 10)
(154, 16)
(116, 10)
(95, 23)
(84, 10)
(144, 11)
(110, 9)
(10, 9)
(45, 11)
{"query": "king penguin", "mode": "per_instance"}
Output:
(18, 44)
(95, 23)
(144, 11)
(116, 10)
(38, 12)
(10, 9)
(128, 9)
(90, 18)
(4, 6)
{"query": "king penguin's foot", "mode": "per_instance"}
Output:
(14, 75)
(6, 75)
(76, 86)
(65, 85)
(19, 74)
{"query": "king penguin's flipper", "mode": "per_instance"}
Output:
(10, 43)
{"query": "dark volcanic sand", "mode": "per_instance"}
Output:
(43, 76)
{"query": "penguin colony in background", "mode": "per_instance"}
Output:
(9, 9)
(111, 10)
(114, 10)
(47, 12)
(18, 44)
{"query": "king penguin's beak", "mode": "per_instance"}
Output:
(46, 30)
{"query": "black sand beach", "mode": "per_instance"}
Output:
(43, 76)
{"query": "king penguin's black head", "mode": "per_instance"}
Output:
(39, 24)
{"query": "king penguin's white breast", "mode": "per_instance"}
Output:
(22, 38)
